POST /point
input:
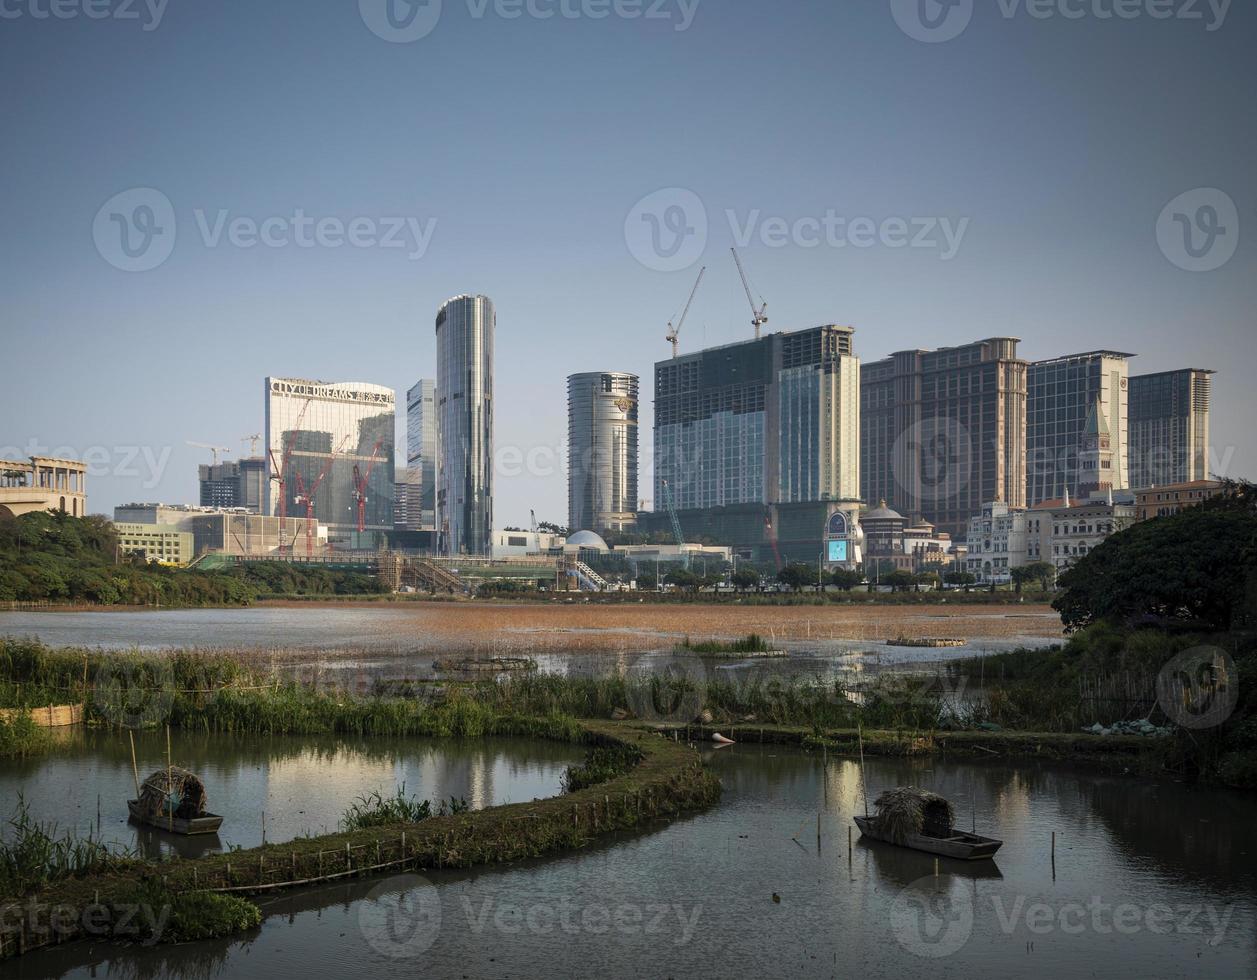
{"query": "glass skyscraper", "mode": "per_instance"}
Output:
(774, 420)
(464, 411)
(1062, 394)
(1169, 427)
(421, 454)
(331, 443)
(602, 451)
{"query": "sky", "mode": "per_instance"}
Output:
(199, 195)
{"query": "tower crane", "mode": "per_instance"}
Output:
(213, 449)
(758, 316)
(360, 485)
(676, 524)
(253, 441)
(306, 497)
(281, 474)
(674, 332)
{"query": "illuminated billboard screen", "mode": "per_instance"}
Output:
(837, 551)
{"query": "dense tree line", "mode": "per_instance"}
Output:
(52, 557)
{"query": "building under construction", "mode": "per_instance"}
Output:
(329, 446)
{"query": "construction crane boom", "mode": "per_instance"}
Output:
(360, 485)
(758, 316)
(674, 332)
(676, 524)
(253, 441)
(213, 449)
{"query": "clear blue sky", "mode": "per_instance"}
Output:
(530, 141)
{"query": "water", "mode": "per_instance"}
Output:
(302, 785)
(695, 897)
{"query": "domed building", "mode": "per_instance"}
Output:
(883, 530)
(586, 541)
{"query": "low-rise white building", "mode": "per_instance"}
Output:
(1071, 529)
(998, 541)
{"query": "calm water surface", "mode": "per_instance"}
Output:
(1151, 880)
(302, 785)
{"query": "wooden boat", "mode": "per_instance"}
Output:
(956, 844)
(173, 799)
(205, 823)
(923, 821)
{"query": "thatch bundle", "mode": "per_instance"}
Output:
(173, 791)
(906, 810)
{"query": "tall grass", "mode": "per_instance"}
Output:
(34, 853)
(754, 643)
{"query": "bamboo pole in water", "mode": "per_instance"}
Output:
(170, 784)
(135, 769)
(863, 781)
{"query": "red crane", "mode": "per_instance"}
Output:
(360, 486)
(280, 476)
(307, 497)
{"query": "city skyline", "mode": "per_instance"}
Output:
(1059, 248)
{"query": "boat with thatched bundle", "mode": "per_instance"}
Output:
(174, 799)
(924, 821)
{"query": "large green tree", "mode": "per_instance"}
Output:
(1195, 567)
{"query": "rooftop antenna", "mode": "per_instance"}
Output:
(674, 332)
(759, 316)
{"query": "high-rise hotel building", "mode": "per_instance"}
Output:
(943, 432)
(773, 420)
(602, 451)
(329, 448)
(421, 456)
(464, 410)
(1065, 392)
(1169, 427)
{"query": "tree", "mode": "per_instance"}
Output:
(844, 579)
(1020, 574)
(964, 579)
(745, 578)
(683, 579)
(900, 581)
(928, 579)
(1043, 572)
(1195, 567)
(796, 576)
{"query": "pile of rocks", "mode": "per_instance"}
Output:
(1142, 727)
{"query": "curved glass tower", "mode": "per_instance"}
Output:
(602, 451)
(464, 414)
